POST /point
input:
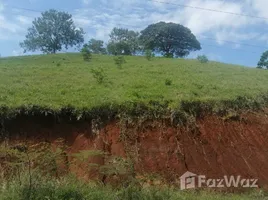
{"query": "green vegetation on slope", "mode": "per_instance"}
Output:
(69, 188)
(65, 80)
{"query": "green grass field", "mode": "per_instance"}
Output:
(72, 189)
(62, 80)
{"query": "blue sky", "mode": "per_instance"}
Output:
(222, 36)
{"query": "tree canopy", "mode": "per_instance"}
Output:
(96, 46)
(264, 60)
(123, 42)
(170, 39)
(51, 32)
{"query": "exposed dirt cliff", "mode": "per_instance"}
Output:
(210, 146)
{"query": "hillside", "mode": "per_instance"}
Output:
(147, 123)
(58, 81)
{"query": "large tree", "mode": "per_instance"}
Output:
(123, 42)
(264, 60)
(96, 46)
(170, 39)
(51, 32)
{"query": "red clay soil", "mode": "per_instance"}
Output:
(213, 147)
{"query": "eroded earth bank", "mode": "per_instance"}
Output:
(210, 146)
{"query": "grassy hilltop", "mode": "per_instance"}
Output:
(65, 80)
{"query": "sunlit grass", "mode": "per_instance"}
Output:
(56, 81)
(71, 188)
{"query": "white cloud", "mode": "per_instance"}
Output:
(12, 26)
(24, 20)
(202, 21)
(7, 26)
(260, 7)
(199, 21)
(1, 7)
(263, 38)
(98, 18)
(234, 35)
(17, 52)
(221, 26)
(214, 57)
(86, 1)
(81, 22)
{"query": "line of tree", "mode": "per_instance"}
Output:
(56, 30)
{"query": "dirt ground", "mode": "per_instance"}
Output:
(212, 146)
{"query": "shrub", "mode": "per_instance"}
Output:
(119, 61)
(168, 82)
(169, 55)
(263, 63)
(98, 74)
(149, 54)
(87, 56)
(202, 59)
